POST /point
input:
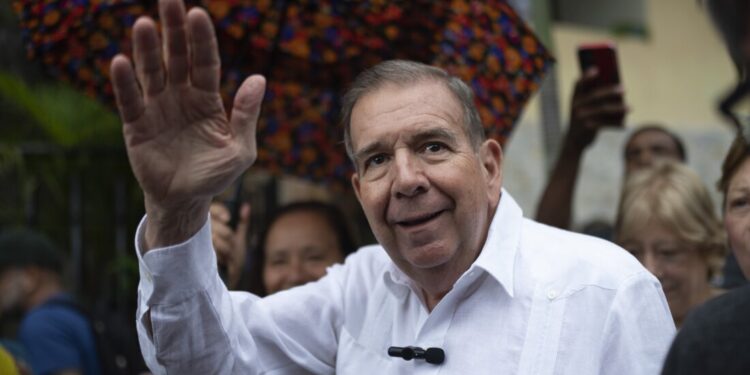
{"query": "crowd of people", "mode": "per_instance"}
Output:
(457, 269)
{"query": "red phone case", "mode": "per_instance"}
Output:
(604, 58)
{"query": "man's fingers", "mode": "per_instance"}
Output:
(127, 92)
(219, 212)
(605, 115)
(244, 223)
(206, 65)
(174, 35)
(221, 230)
(246, 109)
(223, 247)
(599, 96)
(245, 211)
(586, 81)
(147, 56)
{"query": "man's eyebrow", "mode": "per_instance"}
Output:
(432, 133)
(421, 136)
(368, 149)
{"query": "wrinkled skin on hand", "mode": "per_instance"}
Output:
(182, 146)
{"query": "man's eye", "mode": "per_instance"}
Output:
(434, 147)
(659, 150)
(375, 160)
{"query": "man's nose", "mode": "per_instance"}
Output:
(645, 159)
(409, 179)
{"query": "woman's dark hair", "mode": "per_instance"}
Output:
(328, 212)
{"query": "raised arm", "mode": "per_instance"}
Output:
(184, 150)
(182, 147)
(592, 108)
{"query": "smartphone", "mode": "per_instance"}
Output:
(603, 56)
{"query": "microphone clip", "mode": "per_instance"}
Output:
(434, 356)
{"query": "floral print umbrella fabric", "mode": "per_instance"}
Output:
(309, 50)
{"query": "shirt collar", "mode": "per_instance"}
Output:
(498, 254)
(396, 280)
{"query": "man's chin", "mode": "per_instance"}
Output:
(431, 255)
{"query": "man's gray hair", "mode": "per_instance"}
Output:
(403, 73)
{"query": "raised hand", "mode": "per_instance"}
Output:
(182, 147)
(592, 108)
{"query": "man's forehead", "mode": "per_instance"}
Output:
(423, 97)
(427, 87)
(649, 137)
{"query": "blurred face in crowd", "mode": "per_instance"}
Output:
(648, 146)
(300, 246)
(737, 215)
(679, 267)
(427, 192)
(13, 285)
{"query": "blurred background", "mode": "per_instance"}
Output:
(674, 69)
(63, 169)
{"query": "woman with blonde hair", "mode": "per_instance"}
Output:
(667, 220)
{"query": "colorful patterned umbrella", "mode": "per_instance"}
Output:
(309, 50)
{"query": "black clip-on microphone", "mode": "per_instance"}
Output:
(435, 356)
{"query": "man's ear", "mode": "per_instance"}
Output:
(491, 157)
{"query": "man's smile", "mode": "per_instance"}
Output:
(416, 220)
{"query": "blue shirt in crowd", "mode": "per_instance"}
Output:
(58, 337)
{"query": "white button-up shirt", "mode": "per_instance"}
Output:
(537, 300)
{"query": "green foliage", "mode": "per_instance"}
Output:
(66, 117)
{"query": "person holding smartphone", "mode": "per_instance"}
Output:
(599, 102)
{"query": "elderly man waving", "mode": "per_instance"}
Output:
(460, 281)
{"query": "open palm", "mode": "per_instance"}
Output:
(182, 147)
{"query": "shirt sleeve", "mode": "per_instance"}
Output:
(639, 328)
(188, 322)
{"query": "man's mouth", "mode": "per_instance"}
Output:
(413, 221)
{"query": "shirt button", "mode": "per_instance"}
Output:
(551, 294)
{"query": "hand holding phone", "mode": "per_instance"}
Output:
(598, 99)
(603, 57)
